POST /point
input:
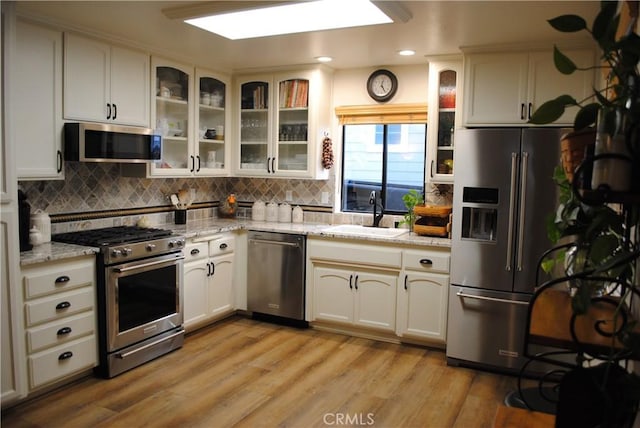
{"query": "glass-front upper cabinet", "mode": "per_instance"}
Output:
(283, 120)
(172, 112)
(293, 125)
(255, 126)
(211, 124)
(444, 91)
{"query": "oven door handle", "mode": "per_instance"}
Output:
(148, 345)
(144, 265)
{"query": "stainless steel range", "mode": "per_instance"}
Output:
(140, 289)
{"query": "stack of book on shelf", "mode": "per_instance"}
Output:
(294, 93)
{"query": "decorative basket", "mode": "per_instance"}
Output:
(433, 220)
(573, 147)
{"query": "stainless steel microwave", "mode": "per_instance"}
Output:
(98, 142)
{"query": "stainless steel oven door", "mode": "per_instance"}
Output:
(144, 299)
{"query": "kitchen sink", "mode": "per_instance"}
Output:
(357, 230)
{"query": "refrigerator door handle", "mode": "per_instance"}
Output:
(512, 209)
(492, 299)
(523, 205)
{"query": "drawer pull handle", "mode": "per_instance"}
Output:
(426, 262)
(65, 355)
(223, 246)
(62, 279)
(63, 305)
(195, 252)
(63, 331)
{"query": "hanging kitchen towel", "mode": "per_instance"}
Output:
(327, 153)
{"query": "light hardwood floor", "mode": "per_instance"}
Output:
(246, 373)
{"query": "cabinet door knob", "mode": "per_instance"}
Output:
(356, 282)
(63, 305)
(273, 165)
(351, 282)
(62, 279)
(523, 111)
(108, 111)
(268, 169)
(63, 331)
(198, 169)
(115, 112)
(406, 277)
(65, 355)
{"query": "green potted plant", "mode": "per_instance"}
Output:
(411, 199)
(615, 109)
(603, 238)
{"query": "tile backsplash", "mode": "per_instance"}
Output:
(91, 187)
(95, 187)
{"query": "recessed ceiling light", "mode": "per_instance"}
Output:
(324, 59)
(406, 52)
(292, 18)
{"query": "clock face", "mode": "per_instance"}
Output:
(382, 85)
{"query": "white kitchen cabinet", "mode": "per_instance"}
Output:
(12, 352)
(60, 320)
(445, 91)
(422, 294)
(208, 280)
(353, 283)
(189, 102)
(281, 122)
(105, 83)
(36, 102)
(362, 297)
(212, 123)
(505, 88)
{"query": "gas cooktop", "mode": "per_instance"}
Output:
(111, 235)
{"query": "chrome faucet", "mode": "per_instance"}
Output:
(373, 200)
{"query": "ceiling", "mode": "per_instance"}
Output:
(436, 27)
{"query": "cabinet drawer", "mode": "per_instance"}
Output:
(61, 361)
(196, 251)
(372, 255)
(52, 279)
(426, 260)
(221, 246)
(59, 306)
(58, 332)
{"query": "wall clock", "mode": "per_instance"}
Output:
(382, 85)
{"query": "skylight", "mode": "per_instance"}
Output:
(292, 18)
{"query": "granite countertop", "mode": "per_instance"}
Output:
(203, 228)
(52, 251)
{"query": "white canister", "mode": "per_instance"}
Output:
(42, 222)
(35, 237)
(258, 211)
(284, 213)
(272, 212)
(298, 215)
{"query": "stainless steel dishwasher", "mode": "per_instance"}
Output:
(276, 274)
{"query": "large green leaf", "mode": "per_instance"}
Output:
(551, 110)
(568, 23)
(562, 62)
(586, 116)
(606, 24)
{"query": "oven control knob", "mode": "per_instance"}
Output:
(116, 252)
(180, 242)
(151, 247)
(126, 251)
(171, 244)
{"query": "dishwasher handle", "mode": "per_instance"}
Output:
(281, 243)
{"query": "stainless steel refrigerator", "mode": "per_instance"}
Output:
(503, 192)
